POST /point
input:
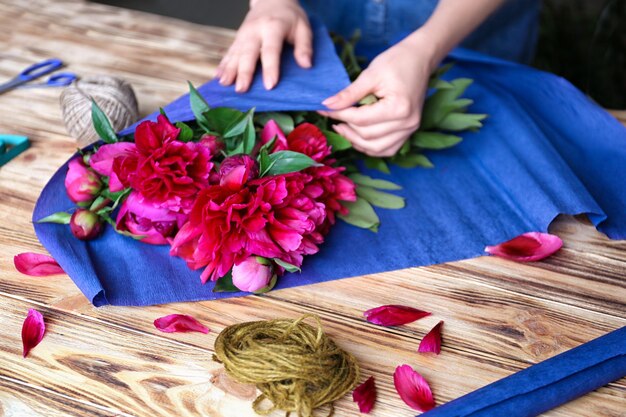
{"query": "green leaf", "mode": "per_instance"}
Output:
(368, 99)
(336, 141)
(101, 124)
(379, 198)
(437, 105)
(264, 160)
(434, 140)
(459, 105)
(288, 267)
(249, 137)
(238, 125)
(439, 84)
(412, 161)
(361, 179)
(361, 215)
(284, 121)
(220, 118)
(186, 133)
(457, 122)
(198, 104)
(284, 162)
(60, 217)
(377, 164)
(225, 284)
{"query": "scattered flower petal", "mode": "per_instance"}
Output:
(533, 246)
(182, 323)
(413, 388)
(431, 343)
(36, 264)
(33, 330)
(394, 315)
(365, 395)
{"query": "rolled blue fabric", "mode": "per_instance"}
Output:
(547, 384)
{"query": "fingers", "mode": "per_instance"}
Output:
(385, 110)
(361, 87)
(247, 65)
(382, 147)
(303, 44)
(270, 60)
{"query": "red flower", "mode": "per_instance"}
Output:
(237, 170)
(308, 139)
(155, 224)
(167, 172)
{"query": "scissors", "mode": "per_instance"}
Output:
(37, 70)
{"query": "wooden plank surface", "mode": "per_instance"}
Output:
(499, 317)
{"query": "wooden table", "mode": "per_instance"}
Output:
(500, 317)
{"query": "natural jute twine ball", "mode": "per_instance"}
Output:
(294, 365)
(114, 96)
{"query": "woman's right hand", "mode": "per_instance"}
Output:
(268, 24)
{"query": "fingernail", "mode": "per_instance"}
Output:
(269, 83)
(307, 61)
(329, 101)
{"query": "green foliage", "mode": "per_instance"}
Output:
(225, 284)
(361, 214)
(102, 125)
(283, 162)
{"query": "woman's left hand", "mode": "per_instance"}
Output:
(399, 79)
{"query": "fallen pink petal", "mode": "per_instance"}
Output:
(431, 343)
(394, 315)
(36, 264)
(365, 395)
(413, 388)
(532, 246)
(179, 323)
(33, 331)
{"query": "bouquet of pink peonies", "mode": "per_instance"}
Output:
(244, 196)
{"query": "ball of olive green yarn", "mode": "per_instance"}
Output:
(294, 365)
(114, 96)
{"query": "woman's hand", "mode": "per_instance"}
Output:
(268, 24)
(399, 78)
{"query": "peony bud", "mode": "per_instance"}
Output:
(85, 224)
(212, 143)
(251, 276)
(81, 183)
(237, 170)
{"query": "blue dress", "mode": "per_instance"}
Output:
(510, 33)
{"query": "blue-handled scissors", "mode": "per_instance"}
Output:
(38, 70)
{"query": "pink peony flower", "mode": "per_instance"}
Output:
(167, 172)
(85, 224)
(527, 247)
(212, 143)
(250, 275)
(413, 388)
(36, 264)
(81, 183)
(237, 170)
(142, 218)
(394, 315)
(179, 323)
(308, 139)
(270, 131)
(365, 395)
(33, 331)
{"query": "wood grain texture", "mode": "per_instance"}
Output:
(500, 317)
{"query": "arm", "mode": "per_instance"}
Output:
(399, 77)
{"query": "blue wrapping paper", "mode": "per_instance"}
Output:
(544, 150)
(547, 384)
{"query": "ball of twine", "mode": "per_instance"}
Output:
(294, 365)
(114, 96)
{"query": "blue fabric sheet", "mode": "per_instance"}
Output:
(547, 384)
(544, 150)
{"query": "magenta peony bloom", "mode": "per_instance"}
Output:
(308, 139)
(282, 216)
(142, 218)
(237, 170)
(271, 130)
(167, 172)
(212, 143)
(85, 224)
(102, 161)
(250, 275)
(81, 183)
